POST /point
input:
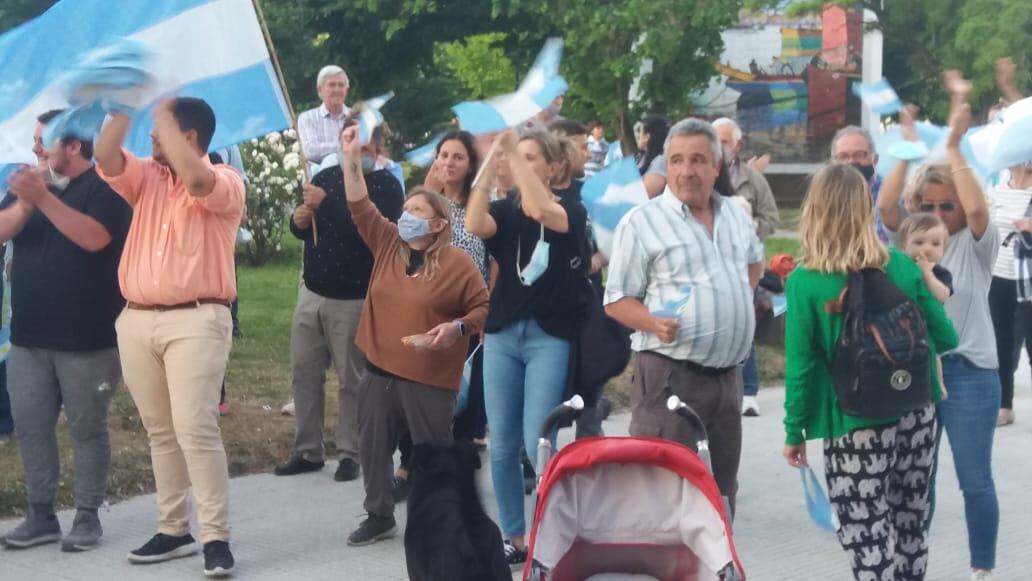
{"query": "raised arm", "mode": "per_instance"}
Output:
(1005, 72)
(478, 219)
(354, 180)
(972, 198)
(188, 164)
(108, 148)
(536, 198)
(892, 187)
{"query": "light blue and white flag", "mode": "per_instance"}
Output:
(879, 97)
(609, 195)
(424, 154)
(537, 91)
(369, 117)
(211, 49)
(1005, 142)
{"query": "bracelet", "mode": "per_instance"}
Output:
(960, 169)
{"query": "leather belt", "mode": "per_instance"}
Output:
(189, 305)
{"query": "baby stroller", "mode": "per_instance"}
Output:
(629, 509)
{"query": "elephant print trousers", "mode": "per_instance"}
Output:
(878, 484)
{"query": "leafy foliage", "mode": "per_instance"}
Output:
(273, 167)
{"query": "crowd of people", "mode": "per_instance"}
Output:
(123, 268)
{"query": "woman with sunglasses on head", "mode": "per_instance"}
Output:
(968, 414)
(425, 299)
(537, 239)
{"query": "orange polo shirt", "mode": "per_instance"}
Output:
(180, 247)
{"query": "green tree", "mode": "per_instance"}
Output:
(479, 63)
(15, 12)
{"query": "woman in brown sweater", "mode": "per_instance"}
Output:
(424, 297)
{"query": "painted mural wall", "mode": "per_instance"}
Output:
(787, 82)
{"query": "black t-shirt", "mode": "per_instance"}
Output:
(591, 247)
(63, 297)
(340, 265)
(554, 298)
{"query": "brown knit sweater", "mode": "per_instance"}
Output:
(398, 305)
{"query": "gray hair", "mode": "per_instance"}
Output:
(692, 126)
(736, 131)
(331, 71)
(852, 130)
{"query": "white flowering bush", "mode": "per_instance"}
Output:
(273, 165)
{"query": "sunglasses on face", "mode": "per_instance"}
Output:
(943, 206)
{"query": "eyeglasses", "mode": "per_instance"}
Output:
(943, 206)
(855, 157)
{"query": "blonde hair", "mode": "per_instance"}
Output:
(918, 223)
(929, 173)
(432, 255)
(837, 230)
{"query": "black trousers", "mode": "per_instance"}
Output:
(1012, 325)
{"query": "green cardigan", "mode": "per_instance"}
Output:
(811, 404)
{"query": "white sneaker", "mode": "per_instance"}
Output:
(288, 409)
(981, 575)
(750, 407)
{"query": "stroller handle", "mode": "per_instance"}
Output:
(567, 410)
(682, 409)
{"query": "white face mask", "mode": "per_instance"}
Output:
(55, 179)
(538, 263)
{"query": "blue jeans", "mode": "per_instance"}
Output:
(969, 418)
(524, 379)
(751, 374)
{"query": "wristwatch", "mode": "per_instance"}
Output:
(462, 327)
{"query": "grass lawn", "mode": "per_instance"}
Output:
(258, 383)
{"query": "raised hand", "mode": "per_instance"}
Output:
(956, 85)
(1006, 71)
(349, 145)
(907, 118)
(960, 121)
(434, 179)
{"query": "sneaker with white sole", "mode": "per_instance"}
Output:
(162, 547)
(374, 528)
(750, 406)
(288, 408)
(218, 560)
(981, 575)
(515, 557)
(39, 528)
(85, 534)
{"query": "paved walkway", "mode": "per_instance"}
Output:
(294, 528)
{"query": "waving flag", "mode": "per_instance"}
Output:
(212, 49)
(609, 195)
(1005, 142)
(537, 91)
(424, 154)
(879, 97)
(369, 118)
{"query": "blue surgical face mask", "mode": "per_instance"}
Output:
(538, 263)
(817, 503)
(368, 164)
(412, 227)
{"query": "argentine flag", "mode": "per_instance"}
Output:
(370, 117)
(879, 97)
(424, 154)
(211, 49)
(1005, 142)
(537, 91)
(609, 195)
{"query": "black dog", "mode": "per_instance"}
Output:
(449, 537)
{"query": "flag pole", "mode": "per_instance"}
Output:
(290, 106)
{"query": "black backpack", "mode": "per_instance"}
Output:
(882, 362)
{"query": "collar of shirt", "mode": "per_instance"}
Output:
(325, 112)
(681, 208)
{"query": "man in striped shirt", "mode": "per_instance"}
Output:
(319, 129)
(682, 275)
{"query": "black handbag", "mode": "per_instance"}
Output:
(601, 349)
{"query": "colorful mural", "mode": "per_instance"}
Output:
(786, 81)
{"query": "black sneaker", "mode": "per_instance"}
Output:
(401, 490)
(164, 547)
(297, 465)
(374, 528)
(516, 558)
(218, 561)
(347, 470)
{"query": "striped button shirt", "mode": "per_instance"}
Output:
(660, 249)
(319, 132)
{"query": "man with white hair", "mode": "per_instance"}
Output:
(319, 129)
(753, 187)
(855, 146)
(682, 275)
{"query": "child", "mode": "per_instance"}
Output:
(923, 237)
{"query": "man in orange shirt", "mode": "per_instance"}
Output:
(174, 336)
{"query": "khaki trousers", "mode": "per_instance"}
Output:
(173, 363)
(323, 333)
